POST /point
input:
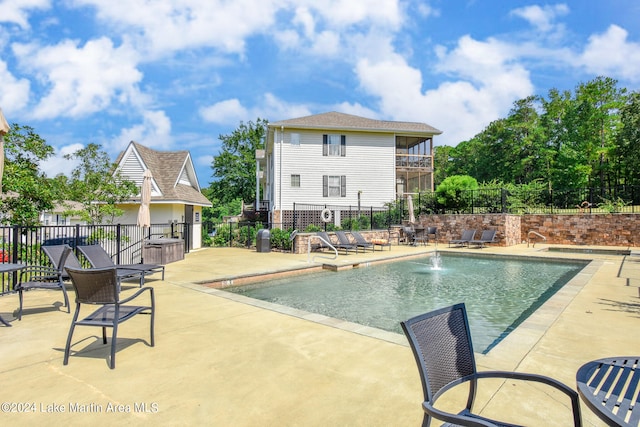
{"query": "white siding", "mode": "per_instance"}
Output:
(369, 167)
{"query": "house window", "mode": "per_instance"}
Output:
(295, 180)
(334, 186)
(334, 145)
(295, 139)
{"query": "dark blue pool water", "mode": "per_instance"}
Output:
(499, 292)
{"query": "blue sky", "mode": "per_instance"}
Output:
(175, 74)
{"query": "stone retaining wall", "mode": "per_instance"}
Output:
(599, 230)
(595, 230)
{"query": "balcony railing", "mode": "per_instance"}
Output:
(414, 161)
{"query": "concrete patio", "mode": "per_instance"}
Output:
(223, 360)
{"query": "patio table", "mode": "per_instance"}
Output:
(610, 387)
(9, 268)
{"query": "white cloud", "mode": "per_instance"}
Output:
(612, 54)
(485, 80)
(14, 94)
(169, 26)
(57, 164)
(17, 11)
(231, 111)
(153, 132)
(80, 80)
(541, 17)
(228, 112)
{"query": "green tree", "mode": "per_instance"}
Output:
(441, 163)
(27, 190)
(597, 119)
(454, 191)
(627, 150)
(234, 168)
(97, 184)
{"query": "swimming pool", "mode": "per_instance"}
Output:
(500, 292)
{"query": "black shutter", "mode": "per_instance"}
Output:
(325, 145)
(343, 186)
(343, 145)
(325, 185)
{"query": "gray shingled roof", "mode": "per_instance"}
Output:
(335, 120)
(165, 167)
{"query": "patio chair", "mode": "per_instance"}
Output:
(420, 236)
(441, 344)
(99, 286)
(361, 242)
(99, 258)
(54, 252)
(344, 242)
(409, 235)
(43, 277)
(488, 236)
(467, 236)
(323, 242)
(432, 231)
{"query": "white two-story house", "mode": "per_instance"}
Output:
(337, 160)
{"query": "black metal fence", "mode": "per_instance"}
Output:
(617, 199)
(20, 244)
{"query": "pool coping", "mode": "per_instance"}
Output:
(513, 347)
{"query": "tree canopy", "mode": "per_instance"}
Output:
(234, 168)
(27, 191)
(588, 138)
(97, 184)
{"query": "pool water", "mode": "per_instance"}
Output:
(499, 292)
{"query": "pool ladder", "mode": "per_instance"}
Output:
(319, 256)
(535, 233)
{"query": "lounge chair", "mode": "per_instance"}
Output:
(467, 236)
(344, 242)
(441, 345)
(322, 243)
(100, 287)
(43, 277)
(488, 236)
(99, 258)
(54, 252)
(361, 242)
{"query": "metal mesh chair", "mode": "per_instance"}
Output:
(467, 236)
(441, 344)
(43, 277)
(99, 286)
(54, 252)
(99, 258)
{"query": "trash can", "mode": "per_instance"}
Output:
(263, 241)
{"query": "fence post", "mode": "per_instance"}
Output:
(16, 239)
(118, 241)
(294, 216)
(503, 193)
(371, 218)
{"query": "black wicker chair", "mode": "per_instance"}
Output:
(99, 286)
(441, 344)
(43, 277)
